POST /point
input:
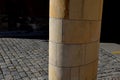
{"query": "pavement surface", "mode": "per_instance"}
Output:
(27, 59)
(109, 63)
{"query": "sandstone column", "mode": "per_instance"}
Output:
(74, 39)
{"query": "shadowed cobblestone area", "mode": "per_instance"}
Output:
(27, 59)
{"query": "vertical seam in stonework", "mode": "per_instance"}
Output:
(56, 53)
(85, 54)
(92, 71)
(70, 73)
(62, 31)
(82, 11)
(80, 54)
(79, 74)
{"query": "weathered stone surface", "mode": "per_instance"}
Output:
(73, 32)
(77, 55)
(59, 8)
(89, 71)
(58, 73)
(76, 9)
(55, 30)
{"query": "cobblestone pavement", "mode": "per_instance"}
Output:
(109, 66)
(27, 59)
(23, 59)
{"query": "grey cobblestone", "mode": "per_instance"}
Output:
(8, 77)
(22, 74)
(20, 58)
(1, 76)
(27, 59)
(26, 78)
(109, 66)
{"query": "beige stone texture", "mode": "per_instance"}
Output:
(52, 53)
(59, 8)
(85, 9)
(92, 9)
(95, 30)
(91, 52)
(70, 31)
(75, 9)
(80, 31)
(74, 39)
(57, 73)
(55, 30)
(76, 31)
(89, 72)
(84, 72)
(70, 55)
(66, 55)
(75, 73)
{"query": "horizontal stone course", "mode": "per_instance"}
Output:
(75, 73)
(67, 55)
(62, 31)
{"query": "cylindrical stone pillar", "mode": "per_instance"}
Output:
(74, 39)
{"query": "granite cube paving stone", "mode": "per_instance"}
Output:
(27, 59)
(26, 78)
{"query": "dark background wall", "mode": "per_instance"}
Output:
(38, 8)
(30, 14)
(111, 22)
(2, 7)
